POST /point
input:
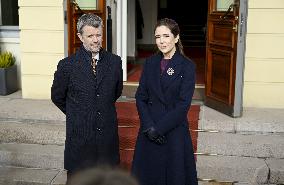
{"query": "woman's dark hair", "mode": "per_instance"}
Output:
(173, 26)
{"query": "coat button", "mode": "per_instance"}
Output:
(99, 113)
(98, 95)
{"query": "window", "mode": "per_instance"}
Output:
(9, 13)
(87, 4)
(223, 5)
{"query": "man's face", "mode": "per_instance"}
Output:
(91, 38)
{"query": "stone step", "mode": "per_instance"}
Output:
(253, 121)
(276, 169)
(10, 175)
(221, 168)
(29, 109)
(229, 144)
(32, 131)
(130, 88)
(31, 155)
(228, 169)
(241, 170)
(214, 183)
(27, 176)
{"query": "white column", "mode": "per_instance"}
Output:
(131, 29)
(122, 34)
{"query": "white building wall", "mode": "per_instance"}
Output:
(263, 77)
(42, 44)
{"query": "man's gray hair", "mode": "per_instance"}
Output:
(89, 20)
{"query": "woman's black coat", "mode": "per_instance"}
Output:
(89, 104)
(163, 102)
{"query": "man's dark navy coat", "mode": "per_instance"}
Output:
(163, 102)
(89, 104)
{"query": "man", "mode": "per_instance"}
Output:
(85, 88)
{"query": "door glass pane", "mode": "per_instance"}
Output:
(87, 4)
(223, 5)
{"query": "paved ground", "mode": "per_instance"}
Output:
(13, 106)
(250, 147)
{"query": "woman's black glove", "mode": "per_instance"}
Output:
(153, 135)
(161, 140)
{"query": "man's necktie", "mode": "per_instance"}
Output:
(94, 64)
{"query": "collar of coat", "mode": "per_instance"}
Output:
(176, 59)
(88, 54)
(161, 83)
(83, 59)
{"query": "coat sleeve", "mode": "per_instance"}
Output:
(60, 86)
(177, 116)
(142, 98)
(119, 85)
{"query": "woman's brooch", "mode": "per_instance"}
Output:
(170, 71)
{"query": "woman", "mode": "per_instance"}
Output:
(164, 153)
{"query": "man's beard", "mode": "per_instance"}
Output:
(94, 49)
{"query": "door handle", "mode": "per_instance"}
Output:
(235, 28)
(77, 7)
(222, 17)
(75, 4)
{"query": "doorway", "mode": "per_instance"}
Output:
(192, 21)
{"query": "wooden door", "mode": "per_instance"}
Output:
(76, 8)
(221, 57)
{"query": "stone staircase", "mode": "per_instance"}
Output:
(246, 150)
(242, 151)
(31, 152)
(193, 35)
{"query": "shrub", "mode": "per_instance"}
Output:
(7, 59)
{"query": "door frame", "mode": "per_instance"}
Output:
(232, 102)
(240, 58)
(120, 35)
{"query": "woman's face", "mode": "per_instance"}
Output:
(166, 41)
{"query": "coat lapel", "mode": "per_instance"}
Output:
(103, 67)
(157, 78)
(171, 72)
(83, 60)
